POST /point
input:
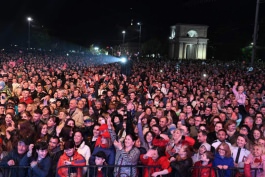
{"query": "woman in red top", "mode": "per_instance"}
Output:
(156, 157)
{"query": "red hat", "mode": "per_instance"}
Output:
(105, 135)
(103, 127)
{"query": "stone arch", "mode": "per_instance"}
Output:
(190, 41)
(192, 33)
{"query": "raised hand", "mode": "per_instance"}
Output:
(117, 144)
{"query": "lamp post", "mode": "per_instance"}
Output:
(29, 20)
(140, 33)
(255, 34)
(123, 39)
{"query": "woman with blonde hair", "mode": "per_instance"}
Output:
(256, 159)
(17, 92)
(176, 142)
(31, 108)
(63, 115)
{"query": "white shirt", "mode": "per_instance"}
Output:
(243, 154)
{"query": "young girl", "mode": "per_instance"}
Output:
(181, 162)
(206, 162)
(256, 134)
(42, 134)
(155, 157)
(255, 160)
(202, 149)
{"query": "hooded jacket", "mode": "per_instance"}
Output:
(77, 160)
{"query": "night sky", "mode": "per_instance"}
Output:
(84, 22)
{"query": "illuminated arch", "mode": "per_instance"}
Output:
(190, 41)
(192, 33)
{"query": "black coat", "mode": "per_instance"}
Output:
(181, 168)
(55, 156)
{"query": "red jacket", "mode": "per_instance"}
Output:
(28, 100)
(77, 160)
(203, 172)
(247, 170)
(162, 161)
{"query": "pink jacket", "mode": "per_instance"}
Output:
(255, 162)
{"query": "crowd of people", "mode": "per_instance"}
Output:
(67, 116)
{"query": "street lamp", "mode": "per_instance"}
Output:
(123, 34)
(29, 20)
(255, 34)
(140, 31)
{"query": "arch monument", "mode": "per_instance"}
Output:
(188, 41)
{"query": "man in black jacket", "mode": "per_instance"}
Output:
(55, 152)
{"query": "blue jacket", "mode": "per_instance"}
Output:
(12, 155)
(229, 161)
(40, 170)
(110, 153)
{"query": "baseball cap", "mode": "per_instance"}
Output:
(103, 127)
(105, 135)
(88, 119)
(172, 127)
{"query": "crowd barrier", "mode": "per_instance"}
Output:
(5, 171)
(109, 168)
(234, 172)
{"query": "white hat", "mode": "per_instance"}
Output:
(207, 146)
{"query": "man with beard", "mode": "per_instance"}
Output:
(54, 152)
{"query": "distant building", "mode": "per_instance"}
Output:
(128, 48)
(188, 41)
